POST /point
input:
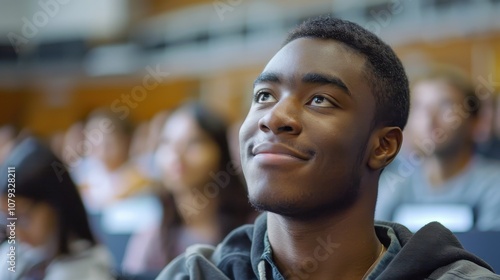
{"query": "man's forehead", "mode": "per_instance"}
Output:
(321, 58)
(314, 49)
(306, 55)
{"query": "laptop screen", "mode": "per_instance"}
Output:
(456, 217)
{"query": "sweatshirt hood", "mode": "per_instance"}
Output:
(422, 253)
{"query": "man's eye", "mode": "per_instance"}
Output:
(264, 97)
(321, 101)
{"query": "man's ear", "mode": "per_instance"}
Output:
(386, 143)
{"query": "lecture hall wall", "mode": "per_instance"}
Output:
(37, 106)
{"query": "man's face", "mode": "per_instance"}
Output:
(439, 122)
(303, 142)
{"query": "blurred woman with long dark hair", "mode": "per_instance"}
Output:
(203, 196)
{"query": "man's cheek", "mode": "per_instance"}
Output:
(247, 130)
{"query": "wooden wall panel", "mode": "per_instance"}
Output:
(160, 6)
(35, 110)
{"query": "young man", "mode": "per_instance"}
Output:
(441, 129)
(327, 117)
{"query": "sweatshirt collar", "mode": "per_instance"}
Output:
(266, 269)
(388, 238)
(266, 265)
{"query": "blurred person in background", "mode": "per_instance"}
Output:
(139, 139)
(139, 148)
(110, 176)
(73, 152)
(8, 135)
(56, 143)
(491, 148)
(53, 238)
(203, 199)
(442, 166)
(144, 143)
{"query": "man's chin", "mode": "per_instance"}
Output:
(284, 209)
(302, 208)
(296, 210)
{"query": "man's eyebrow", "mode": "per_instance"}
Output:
(325, 79)
(267, 77)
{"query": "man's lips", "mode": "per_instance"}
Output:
(279, 149)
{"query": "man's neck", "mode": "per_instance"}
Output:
(440, 169)
(343, 247)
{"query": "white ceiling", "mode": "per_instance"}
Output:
(40, 20)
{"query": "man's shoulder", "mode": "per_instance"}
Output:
(433, 252)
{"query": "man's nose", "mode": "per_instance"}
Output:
(284, 117)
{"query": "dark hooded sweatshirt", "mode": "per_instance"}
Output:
(431, 253)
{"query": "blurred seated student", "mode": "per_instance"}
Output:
(109, 174)
(8, 134)
(53, 239)
(144, 143)
(203, 198)
(56, 143)
(73, 152)
(441, 166)
(139, 147)
(491, 147)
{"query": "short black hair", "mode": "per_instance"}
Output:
(385, 71)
